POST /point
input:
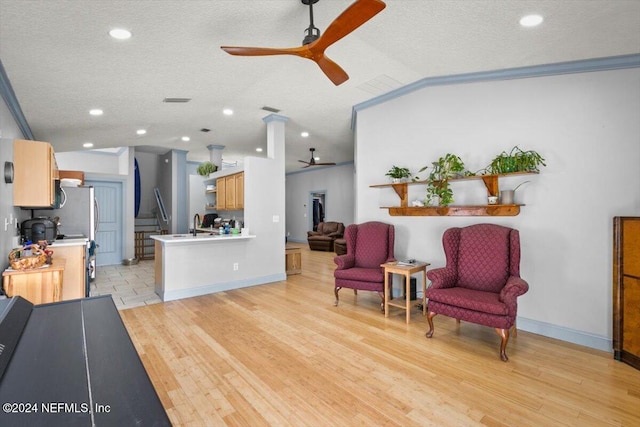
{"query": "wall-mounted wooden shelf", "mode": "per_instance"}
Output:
(490, 181)
(479, 210)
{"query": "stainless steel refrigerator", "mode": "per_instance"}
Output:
(78, 217)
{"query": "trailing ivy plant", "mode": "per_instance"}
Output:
(447, 167)
(515, 160)
(206, 168)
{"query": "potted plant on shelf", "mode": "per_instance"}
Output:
(398, 174)
(515, 160)
(206, 168)
(438, 190)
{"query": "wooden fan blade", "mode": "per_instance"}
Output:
(335, 73)
(264, 51)
(302, 161)
(353, 16)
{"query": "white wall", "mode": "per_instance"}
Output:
(337, 182)
(148, 167)
(90, 161)
(9, 131)
(587, 127)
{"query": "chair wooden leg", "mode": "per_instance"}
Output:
(430, 320)
(504, 336)
(335, 291)
(382, 300)
(514, 329)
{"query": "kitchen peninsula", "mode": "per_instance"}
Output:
(187, 265)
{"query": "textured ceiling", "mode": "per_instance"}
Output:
(61, 63)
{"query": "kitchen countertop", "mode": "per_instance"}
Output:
(69, 242)
(199, 238)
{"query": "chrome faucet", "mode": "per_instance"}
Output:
(196, 221)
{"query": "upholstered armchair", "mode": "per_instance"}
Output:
(481, 281)
(326, 234)
(368, 246)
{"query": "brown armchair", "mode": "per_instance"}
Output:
(481, 281)
(328, 232)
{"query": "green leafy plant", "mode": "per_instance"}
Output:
(515, 160)
(398, 173)
(206, 168)
(447, 167)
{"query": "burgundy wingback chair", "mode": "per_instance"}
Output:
(481, 281)
(368, 246)
(326, 234)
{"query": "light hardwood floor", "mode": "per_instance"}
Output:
(282, 355)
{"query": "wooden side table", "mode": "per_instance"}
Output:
(293, 260)
(38, 285)
(406, 271)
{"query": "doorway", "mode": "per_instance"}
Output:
(318, 207)
(109, 238)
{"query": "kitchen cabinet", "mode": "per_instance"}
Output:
(35, 171)
(230, 192)
(79, 175)
(239, 190)
(74, 282)
(221, 199)
(38, 285)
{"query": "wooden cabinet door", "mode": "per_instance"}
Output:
(33, 182)
(240, 191)
(626, 290)
(221, 199)
(230, 184)
(74, 279)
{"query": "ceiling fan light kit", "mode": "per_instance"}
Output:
(314, 44)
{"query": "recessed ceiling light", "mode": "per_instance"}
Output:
(531, 20)
(227, 112)
(120, 33)
(87, 144)
(186, 139)
(96, 112)
(259, 150)
(141, 131)
(316, 158)
(304, 134)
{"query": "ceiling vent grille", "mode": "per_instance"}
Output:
(176, 100)
(270, 109)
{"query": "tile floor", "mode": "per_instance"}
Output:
(129, 285)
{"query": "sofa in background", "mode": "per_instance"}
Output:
(323, 238)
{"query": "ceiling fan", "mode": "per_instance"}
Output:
(314, 44)
(313, 162)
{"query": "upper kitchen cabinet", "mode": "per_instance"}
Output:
(230, 192)
(35, 172)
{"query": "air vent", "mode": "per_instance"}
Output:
(205, 130)
(176, 100)
(270, 109)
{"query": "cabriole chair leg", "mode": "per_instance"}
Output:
(504, 336)
(430, 320)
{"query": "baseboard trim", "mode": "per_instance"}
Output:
(565, 334)
(219, 287)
